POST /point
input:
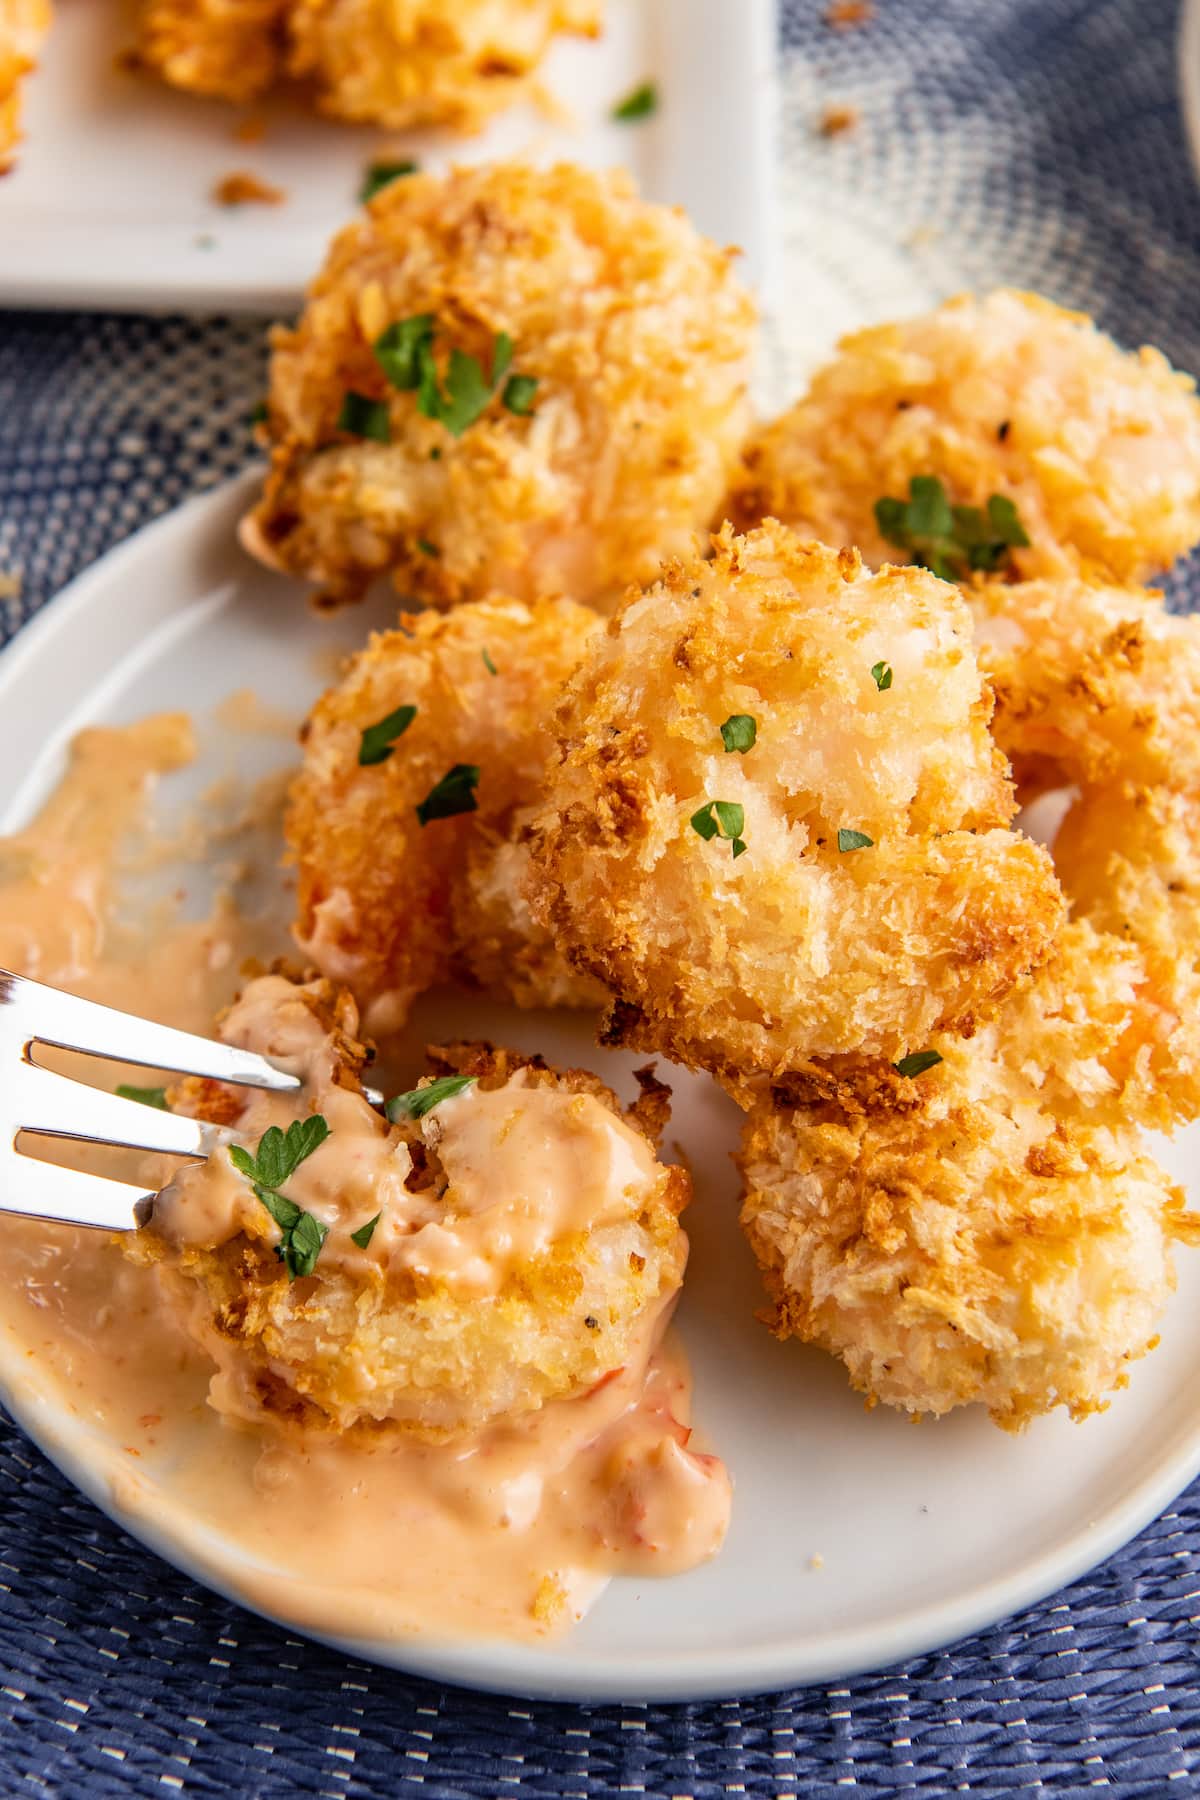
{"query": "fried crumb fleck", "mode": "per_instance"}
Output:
(848, 15)
(241, 188)
(837, 119)
(549, 1601)
(250, 130)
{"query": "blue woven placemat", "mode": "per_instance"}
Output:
(1036, 141)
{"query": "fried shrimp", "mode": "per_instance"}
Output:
(1005, 395)
(990, 1239)
(504, 378)
(776, 829)
(426, 63)
(23, 25)
(419, 63)
(227, 49)
(392, 900)
(512, 1240)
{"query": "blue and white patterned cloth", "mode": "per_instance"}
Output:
(1028, 141)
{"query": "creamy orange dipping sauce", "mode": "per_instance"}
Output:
(513, 1530)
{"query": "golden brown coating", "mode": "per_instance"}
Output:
(993, 1241)
(23, 25)
(1092, 683)
(871, 719)
(391, 907)
(423, 62)
(1005, 394)
(633, 328)
(227, 49)
(525, 1237)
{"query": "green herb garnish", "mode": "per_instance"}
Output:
(378, 739)
(917, 1063)
(488, 664)
(365, 418)
(854, 840)
(428, 549)
(145, 1096)
(259, 415)
(738, 733)
(405, 354)
(640, 103)
(881, 675)
(454, 793)
(401, 349)
(721, 818)
(276, 1160)
(421, 1100)
(518, 394)
(362, 1237)
(381, 175)
(950, 540)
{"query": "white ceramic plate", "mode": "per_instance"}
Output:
(110, 201)
(922, 1533)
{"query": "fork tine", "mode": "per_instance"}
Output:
(50, 1016)
(53, 1105)
(45, 1191)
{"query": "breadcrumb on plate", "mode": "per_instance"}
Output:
(1099, 448)
(630, 336)
(863, 892)
(524, 1231)
(391, 907)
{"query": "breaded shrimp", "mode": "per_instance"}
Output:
(547, 391)
(423, 62)
(390, 906)
(227, 49)
(1005, 394)
(1092, 683)
(505, 1244)
(777, 826)
(988, 1239)
(23, 25)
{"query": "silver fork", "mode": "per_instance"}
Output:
(36, 1100)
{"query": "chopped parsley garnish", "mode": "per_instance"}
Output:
(950, 540)
(854, 840)
(518, 394)
(419, 1101)
(145, 1096)
(402, 348)
(378, 739)
(917, 1063)
(259, 415)
(488, 664)
(405, 354)
(365, 418)
(362, 1237)
(738, 733)
(881, 675)
(428, 549)
(381, 175)
(640, 103)
(276, 1160)
(454, 793)
(721, 818)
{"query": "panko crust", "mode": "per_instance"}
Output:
(226, 49)
(1001, 394)
(1003, 1238)
(390, 907)
(23, 25)
(371, 1348)
(792, 950)
(635, 330)
(426, 63)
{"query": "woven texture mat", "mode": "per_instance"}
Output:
(1029, 141)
